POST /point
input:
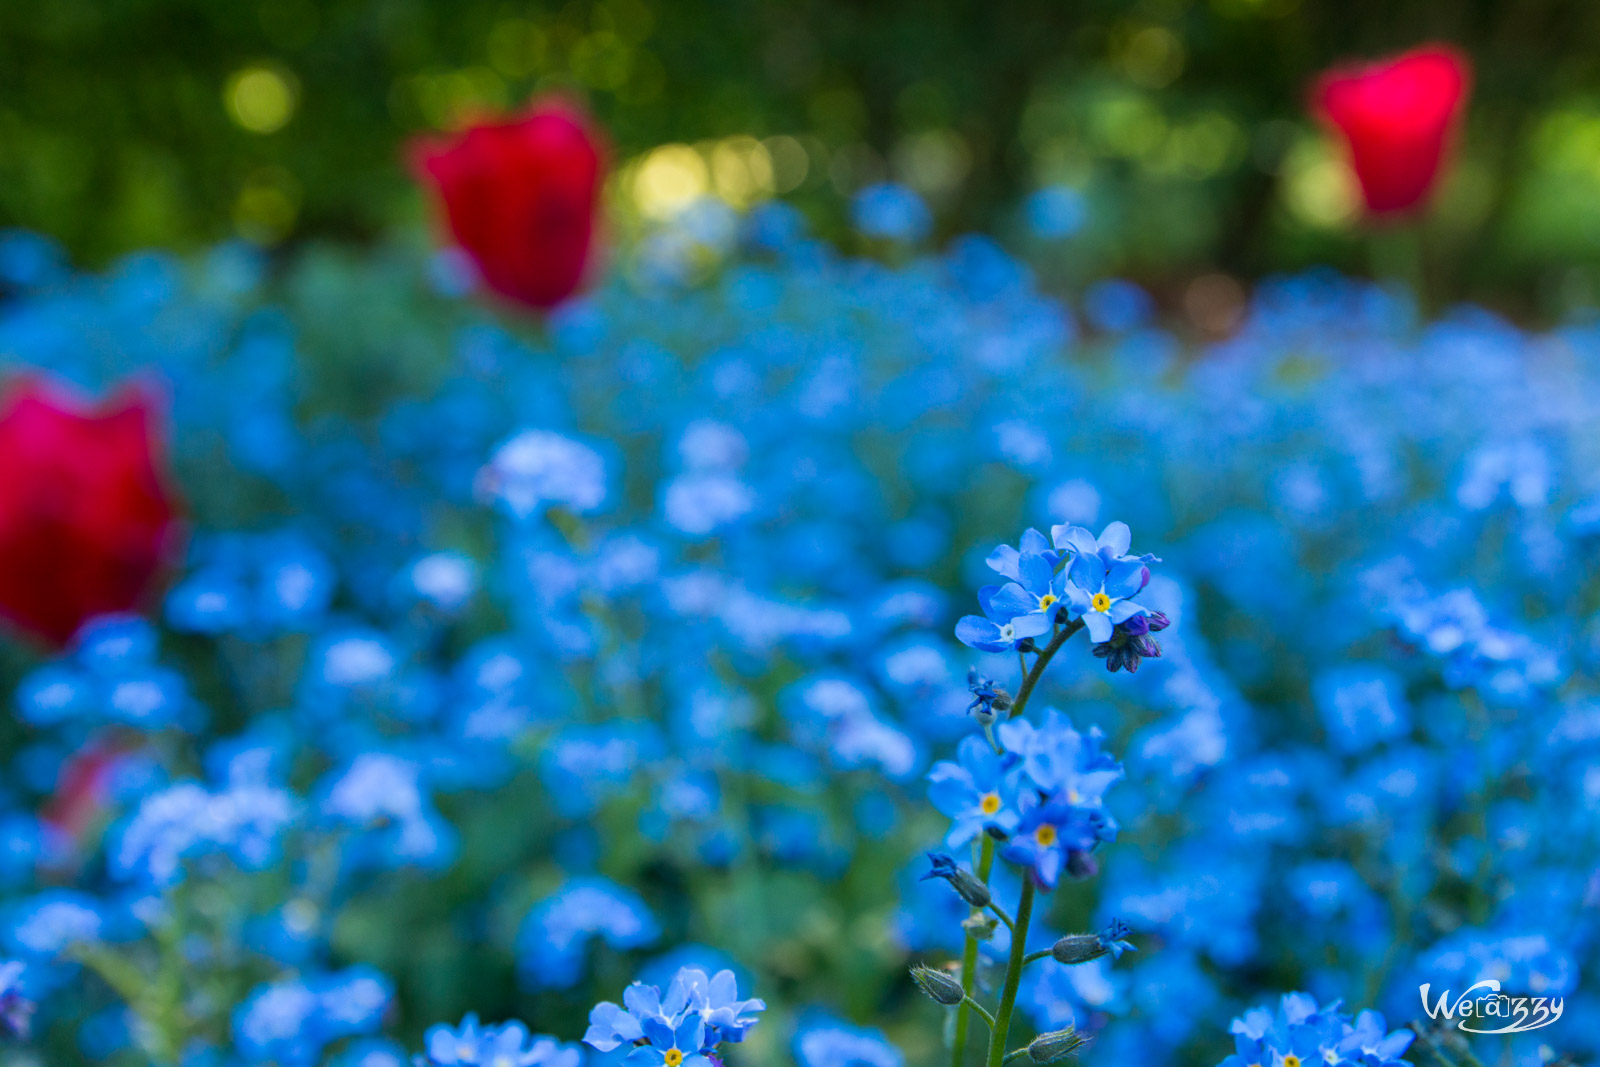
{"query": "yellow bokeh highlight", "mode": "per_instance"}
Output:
(1318, 187)
(669, 179)
(1152, 57)
(267, 205)
(742, 169)
(933, 162)
(1128, 126)
(791, 163)
(260, 99)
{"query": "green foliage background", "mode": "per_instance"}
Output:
(1183, 120)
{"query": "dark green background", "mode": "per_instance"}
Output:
(114, 133)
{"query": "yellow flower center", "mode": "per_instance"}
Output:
(1048, 601)
(990, 803)
(1291, 1060)
(1100, 603)
(674, 1057)
(1046, 836)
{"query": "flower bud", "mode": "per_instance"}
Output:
(1078, 948)
(1056, 1045)
(939, 985)
(968, 887)
(1081, 948)
(1081, 865)
(980, 928)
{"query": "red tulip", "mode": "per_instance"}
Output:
(521, 197)
(86, 519)
(1398, 118)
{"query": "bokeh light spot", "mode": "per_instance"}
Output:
(1152, 57)
(791, 163)
(670, 179)
(742, 170)
(1318, 187)
(267, 205)
(260, 99)
(933, 162)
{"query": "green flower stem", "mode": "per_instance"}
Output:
(1041, 954)
(983, 1013)
(1008, 994)
(1000, 913)
(1016, 1054)
(969, 964)
(1040, 662)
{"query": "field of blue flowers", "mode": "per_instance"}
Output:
(970, 675)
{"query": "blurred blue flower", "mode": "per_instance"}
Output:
(891, 212)
(555, 936)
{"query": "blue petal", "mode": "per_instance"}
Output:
(1033, 541)
(1123, 610)
(1048, 867)
(1117, 537)
(1099, 626)
(1031, 625)
(1003, 560)
(1088, 572)
(952, 799)
(979, 760)
(1125, 579)
(1011, 601)
(691, 1033)
(1035, 574)
(657, 1032)
(1074, 539)
(642, 1000)
(976, 631)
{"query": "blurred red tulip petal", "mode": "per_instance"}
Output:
(86, 518)
(521, 198)
(1397, 119)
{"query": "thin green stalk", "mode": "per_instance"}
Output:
(1008, 993)
(1032, 956)
(1040, 663)
(969, 964)
(983, 1013)
(1397, 256)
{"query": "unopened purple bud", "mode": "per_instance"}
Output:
(1158, 621)
(1137, 626)
(1144, 577)
(1081, 865)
